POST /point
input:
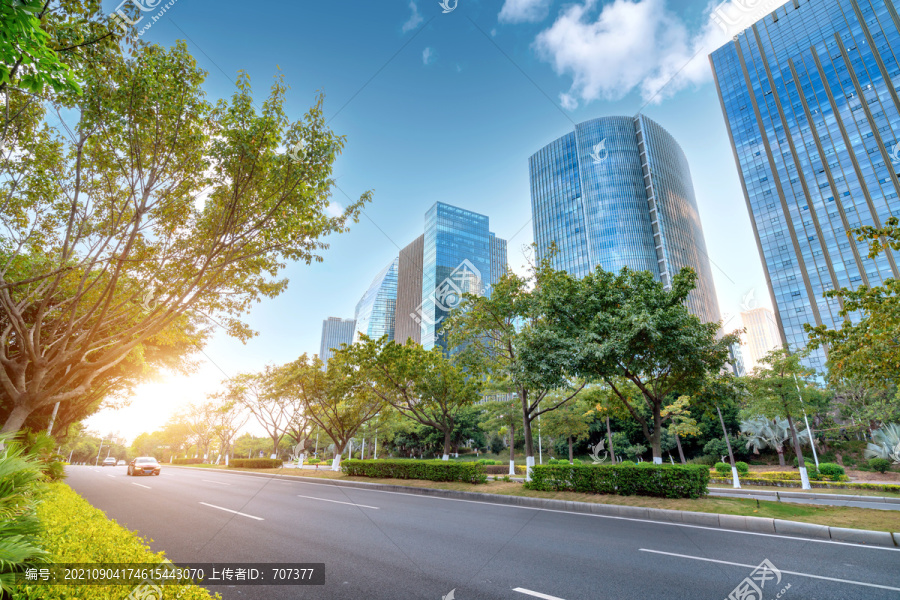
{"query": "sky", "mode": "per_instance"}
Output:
(444, 102)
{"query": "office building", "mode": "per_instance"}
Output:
(617, 192)
(335, 332)
(810, 99)
(762, 336)
(375, 310)
(407, 323)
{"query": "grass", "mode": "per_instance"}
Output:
(848, 492)
(835, 516)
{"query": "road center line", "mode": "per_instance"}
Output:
(141, 485)
(536, 594)
(233, 511)
(725, 562)
(338, 502)
(211, 481)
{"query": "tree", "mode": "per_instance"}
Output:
(501, 416)
(201, 419)
(765, 433)
(866, 348)
(228, 418)
(571, 421)
(681, 423)
(629, 326)
(334, 398)
(887, 444)
(161, 213)
(262, 396)
(422, 385)
(492, 334)
(868, 405)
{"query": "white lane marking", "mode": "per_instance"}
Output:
(232, 511)
(536, 594)
(337, 502)
(211, 481)
(141, 485)
(725, 562)
(566, 512)
(108, 475)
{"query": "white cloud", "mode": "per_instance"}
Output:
(524, 11)
(614, 49)
(414, 19)
(427, 56)
(334, 209)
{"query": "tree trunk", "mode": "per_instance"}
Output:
(780, 451)
(736, 481)
(16, 419)
(804, 478)
(680, 451)
(447, 433)
(657, 435)
(571, 460)
(612, 452)
(336, 463)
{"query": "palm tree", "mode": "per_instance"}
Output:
(764, 433)
(887, 444)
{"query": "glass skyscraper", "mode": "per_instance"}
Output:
(617, 192)
(335, 332)
(375, 310)
(459, 255)
(810, 97)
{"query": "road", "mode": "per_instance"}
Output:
(833, 501)
(383, 545)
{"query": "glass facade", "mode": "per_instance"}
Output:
(460, 255)
(810, 97)
(617, 192)
(375, 310)
(335, 332)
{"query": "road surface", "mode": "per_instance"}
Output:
(383, 545)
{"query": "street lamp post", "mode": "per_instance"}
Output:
(97, 460)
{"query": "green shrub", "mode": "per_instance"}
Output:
(666, 481)
(432, 470)
(73, 531)
(256, 463)
(313, 461)
(880, 464)
(708, 460)
(189, 461)
(742, 467)
(487, 461)
(809, 461)
(831, 470)
(20, 489)
(723, 468)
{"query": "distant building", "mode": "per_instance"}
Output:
(335, 332)
(375, 310)
(762, 336)
(811, 101)
(617, 192)
(409, 293)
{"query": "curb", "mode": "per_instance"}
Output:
(729, 522)
(810, 495)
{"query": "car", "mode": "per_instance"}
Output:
(109, 462)
(143, 465)
(121, 463)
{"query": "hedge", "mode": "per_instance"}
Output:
(666, 481)
(840, 485)
(256, 463)
(188, 461)
(432, 470)
(503, 469)
(73, 531)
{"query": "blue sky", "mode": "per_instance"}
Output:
(448, 107)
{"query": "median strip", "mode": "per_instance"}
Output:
(337, 502)
(536, 594)
(725, 562)
(233, 511)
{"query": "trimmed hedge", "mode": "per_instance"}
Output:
(665, 481)
(188, 461)
(503, 469)
(742, 467)
(432, 470)
(256, 463)
(73, 531)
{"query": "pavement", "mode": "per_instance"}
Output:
(378, 545)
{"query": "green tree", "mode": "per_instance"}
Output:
(629, 326)
(161, 213)
(501, 417)
(571, 421)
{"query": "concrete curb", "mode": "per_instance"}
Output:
(714, 520)
(809, 495)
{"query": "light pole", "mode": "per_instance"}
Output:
(812, 441)
(97, 460)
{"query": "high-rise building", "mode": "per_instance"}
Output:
(459, 255)
(375, 310)
(762, 336)
(335, 332)
(409, 293)
(810, 97)
(617, 192)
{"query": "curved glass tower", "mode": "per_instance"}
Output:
(617, 192)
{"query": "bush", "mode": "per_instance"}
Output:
(256, 463)
(432, 470)
(723, 468)
(716, 447)
(665, 481)
(831, 470)
(807, 459)
(742, 467)
(708, 460)
(75, 532)
(313, 461)
(487, 461)
(189, 461)
(880, 464)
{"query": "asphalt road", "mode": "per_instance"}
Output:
(383, 545)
